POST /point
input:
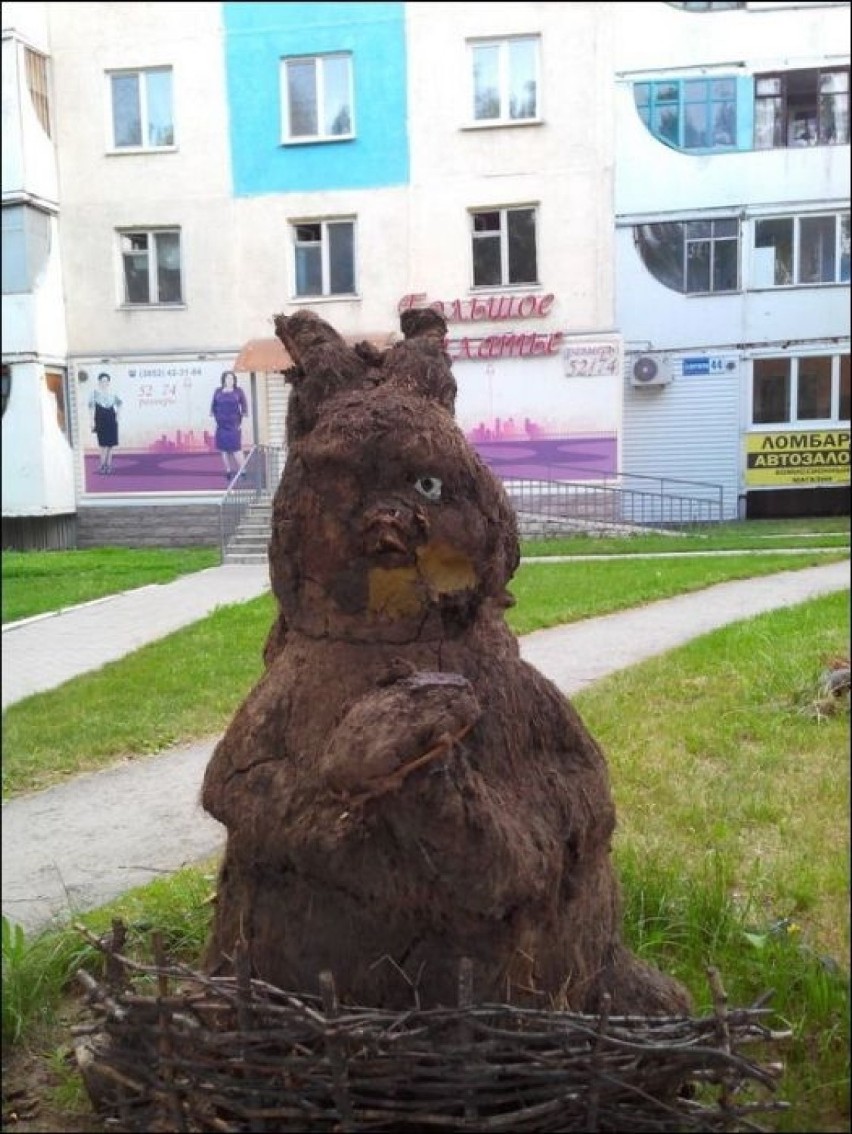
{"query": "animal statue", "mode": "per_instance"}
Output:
(400, 789)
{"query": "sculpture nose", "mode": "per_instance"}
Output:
(393, 525)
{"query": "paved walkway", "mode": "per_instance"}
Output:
(43, 652)
(85, 842)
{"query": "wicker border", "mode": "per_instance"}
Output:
(236, 1054)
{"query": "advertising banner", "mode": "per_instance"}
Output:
(149, 426)
(775, 460)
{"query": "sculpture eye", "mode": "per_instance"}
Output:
(429, 486)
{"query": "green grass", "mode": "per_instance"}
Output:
(188, 685)
(732, 791)
(549, 594)
(732, 788)
(747, 535)
(36, 582)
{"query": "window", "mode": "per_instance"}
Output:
(316, 96)
(790, 391)
(151, 265)
(692, 256)
(505, 79)
(324, 257)
(504, 247)
(26, 247)
(801, 250)
(36, 66)
(55, 382)
(801, 108)
(690, 114)
(141, 103)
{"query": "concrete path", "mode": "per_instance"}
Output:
(85, 842)
(43, 652)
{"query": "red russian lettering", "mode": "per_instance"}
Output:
(545, 304)
(503, 307)
(527, 306)
(409, 301)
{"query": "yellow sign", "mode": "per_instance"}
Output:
(776, 459)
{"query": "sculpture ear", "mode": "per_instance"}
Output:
(423, 322)
(323, 365)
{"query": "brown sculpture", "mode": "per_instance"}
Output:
(400, 789)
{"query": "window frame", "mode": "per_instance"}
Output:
(839, 252)
(325, 250)
(504, 239)
(288, 138)
(504, 78)
(153, 301)
(658, 101)
(144, 145)
(793, 365)
(784, 117)
(688, 241)
(37, 68)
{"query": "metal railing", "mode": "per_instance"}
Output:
(545, 508)
(255, 483)
(625, 501)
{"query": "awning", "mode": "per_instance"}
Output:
(270, 355)
(261, 355)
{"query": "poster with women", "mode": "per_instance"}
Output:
(155, 431)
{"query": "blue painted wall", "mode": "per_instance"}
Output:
(257, 36)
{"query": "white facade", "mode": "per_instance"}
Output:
(699, 423)
(556, 351)
(562, 163)
(38, 479)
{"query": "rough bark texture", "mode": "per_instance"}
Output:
(400, 789)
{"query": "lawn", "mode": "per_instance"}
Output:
(730, 772)
(36, 582)
(188, 685)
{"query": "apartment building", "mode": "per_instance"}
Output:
(732, 249)
(214, 164)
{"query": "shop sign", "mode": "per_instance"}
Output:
(593, 357)
(483, 308)
(801, 458)
(510, 345)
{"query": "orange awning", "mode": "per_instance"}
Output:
(261, 355)
(270, 355)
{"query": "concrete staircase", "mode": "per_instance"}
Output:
(250, 542)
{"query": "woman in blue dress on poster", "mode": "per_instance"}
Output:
(228, 408)
(104, 406)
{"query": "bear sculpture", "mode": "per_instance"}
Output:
(400, 789)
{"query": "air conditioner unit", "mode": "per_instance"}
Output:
(651, 370)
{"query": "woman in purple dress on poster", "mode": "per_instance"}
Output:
(228, 408)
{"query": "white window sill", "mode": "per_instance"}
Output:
(345, 296)
(502, 123)
(182, 306)
(137, 150)
(318, 139)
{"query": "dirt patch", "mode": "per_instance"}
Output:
(36, 1095)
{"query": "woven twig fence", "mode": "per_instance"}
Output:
(235, 1054)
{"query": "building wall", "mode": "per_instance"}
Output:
(37, 462)
(700, 422)
(258, 37)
